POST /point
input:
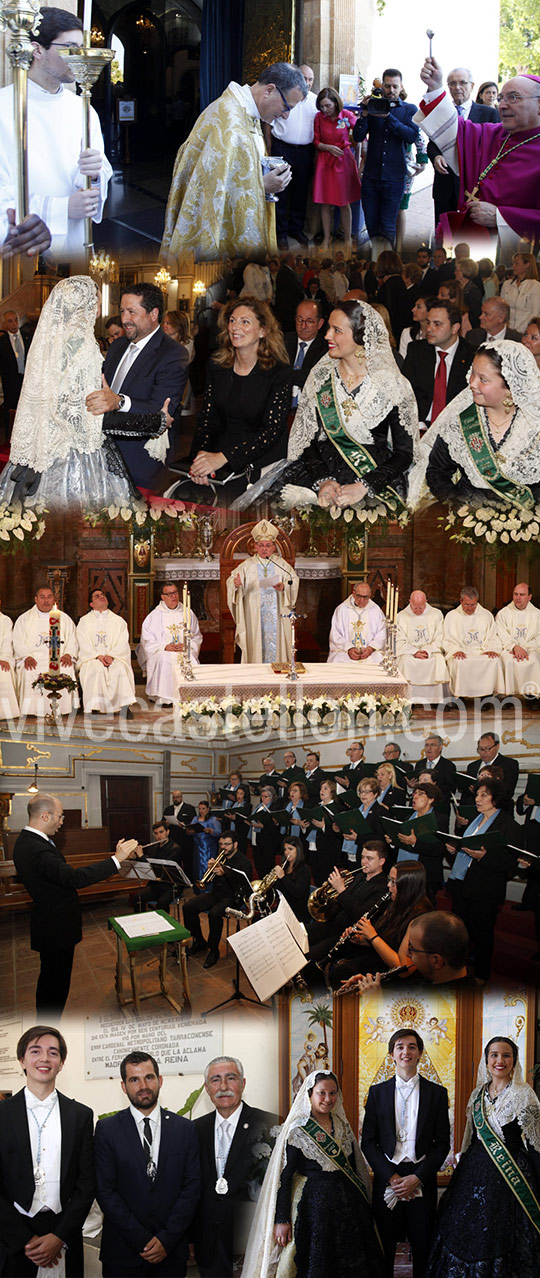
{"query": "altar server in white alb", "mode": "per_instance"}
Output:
(162, 644)
(31, 647)
(419, 650)
(358, 631)
(104, 661)
(473, 649)
(57, 165)
(260, 592)
(9, 706)
(518, 627)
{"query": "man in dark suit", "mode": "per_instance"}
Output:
(445, 183)
(315, 775)
(140, 372)
(489, 754)
(167, 885)
(289, 293)
(392, 754)
(185, 813)
(55, 919)
(437, 367)
(291, 771)
(148, 1179)
(355, 769)
(47, 1186)
(13, 350)
(441, 770)
(494, 317)
(307, 345)
(405, 1138)
(226, 1138)
(223, 889)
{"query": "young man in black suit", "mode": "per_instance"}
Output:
(46, 1164)
(148, 1179)
(13, 351)
(55, 919)
(222, 891)
(226, 1138)
(445, 182)
(141, 371)
(405, 1138)
(437, 366)
(307, 345)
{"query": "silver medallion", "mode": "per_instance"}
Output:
(151, 1169)
(222, 1185)
(39, 1175)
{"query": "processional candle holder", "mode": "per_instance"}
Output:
(20, 17)
(293, 617)
(86, 65)
(186, 667)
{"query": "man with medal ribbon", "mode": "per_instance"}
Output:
(148, 1181)
(226, 1138)
(46, 1167)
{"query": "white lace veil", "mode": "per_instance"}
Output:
(387, 389)
(262, 1255)
(518, 1101)
(521, 449)
(62, 367)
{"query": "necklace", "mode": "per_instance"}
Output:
(405, 1097)
(39, 1174)
(501, 155)
(492, 426)
(265, 565)
(493, 1099)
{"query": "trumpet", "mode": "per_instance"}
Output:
(350, 932)
(320, 898)
(210, 872)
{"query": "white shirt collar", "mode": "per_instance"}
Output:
(245, 96)
(403, 1084)
(33, 1102)
(142, 341)
(232, 1119)
(33, 830)
(139, 1115)
(451, 349)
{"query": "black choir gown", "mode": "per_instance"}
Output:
(482, 1230)
(333, 1227)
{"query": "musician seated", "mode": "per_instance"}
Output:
(161, 893)
(294, 877)
(385, 944)
(225, 887)
(345, 898)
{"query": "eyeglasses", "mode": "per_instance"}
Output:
(512, 98)
(411, 949)
(284, 101)
(61, 44)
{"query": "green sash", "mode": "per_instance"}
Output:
(485, 460)
(505, 1163)
(356, 455)
(334, 1152)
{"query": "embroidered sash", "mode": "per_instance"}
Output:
(334, 1152)
(356, 455)
(485, 460)
(505, 1164)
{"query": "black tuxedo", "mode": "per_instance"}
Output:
(446, 185)
(415, 1218)
(419, 369)
(77, 1184)
(158, 373)
(136, 1208)
(477, 336)
(55, 918)
(12, 380)
(217, 1218)
(318, 348)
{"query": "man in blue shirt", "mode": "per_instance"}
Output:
(383, 180)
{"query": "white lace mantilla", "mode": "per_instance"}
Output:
(342, 1134)
(519, 454)
(516, 1102)
(63, 366)
(384, 388)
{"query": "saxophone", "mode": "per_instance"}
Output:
(261, 899)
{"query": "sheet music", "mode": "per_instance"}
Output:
(137, 870)
(144, 924)
(269, 952)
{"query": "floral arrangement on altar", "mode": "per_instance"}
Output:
(50, 682)
(499, 527)
(21, 523)
(370, 513)
(138, 511)
(228, 714)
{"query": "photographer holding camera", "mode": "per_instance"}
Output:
(386, 121)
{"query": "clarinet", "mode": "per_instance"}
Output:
(384, 976)
(347, 936)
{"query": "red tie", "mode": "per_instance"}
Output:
(439, 388)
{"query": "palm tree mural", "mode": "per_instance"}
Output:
(321, 1014)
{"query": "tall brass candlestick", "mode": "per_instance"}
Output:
(20, 17)
(86, 65)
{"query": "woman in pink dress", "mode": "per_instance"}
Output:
(336, 180)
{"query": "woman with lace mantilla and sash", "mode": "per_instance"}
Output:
(313, 1216)
(356, 426)
(489, 1219)
(60, 454)
(484, 448)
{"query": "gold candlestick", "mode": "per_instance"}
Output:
(86, 65)
(20, 17)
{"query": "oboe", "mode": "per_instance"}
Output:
(349, 934)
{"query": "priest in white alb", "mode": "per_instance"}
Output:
(9, 706)
(31, 640)
(104, 661)
(518, 627)
(162, 645)
(358, 631)
(260, 592)
(472, 649)
(419, 650)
